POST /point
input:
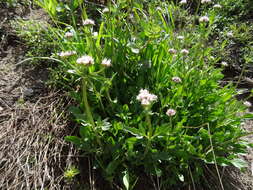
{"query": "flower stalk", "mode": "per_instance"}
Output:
(149, 134)
(86, 104)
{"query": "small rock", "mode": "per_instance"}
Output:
(28, 92)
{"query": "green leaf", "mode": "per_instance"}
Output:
(222, 161)
(250, 145)
(100, 33)
(112, 167)
(134, 131)
(162, 130)
(75, 140)
(158, 172)
(181, 177)
(248, 116)
(126, 180)
(239, 163)
(84, 132)
(131, 142)
(74, 110)
(75, 3)
(106, 125)
(161, 156)
(79, 116)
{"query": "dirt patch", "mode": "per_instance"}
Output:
(247, 177)
(33, 153)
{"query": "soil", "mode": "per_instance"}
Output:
(33, 153)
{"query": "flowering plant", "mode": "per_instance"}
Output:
(149, 98)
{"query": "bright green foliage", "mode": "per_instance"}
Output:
(37, 35)
(65, 11)
(233, 30)
(234, 10)
(70, 173)
(126, 138)
(49, 5)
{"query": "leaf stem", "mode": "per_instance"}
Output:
(148, 120)
(214, 157)
(85, 102)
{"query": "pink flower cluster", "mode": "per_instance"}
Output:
(85, 60)
(106, 62)
(66, 53)
(204, 19)
(68, 34)
(145, 97)
(176, 79)
(88, 22)
(247, 104)
(171, 112)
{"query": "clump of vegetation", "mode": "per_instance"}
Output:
(14, 3)
(37, 36)
(234, 33)
(70, 173)
(148, 93)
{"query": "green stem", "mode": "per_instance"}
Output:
(214, 157)
(107, 90)
(85, 102)
(241, 75)
(149, 126)
(197, 10)
(87, 110)
(149, 136)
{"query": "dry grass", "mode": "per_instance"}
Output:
(33, 153)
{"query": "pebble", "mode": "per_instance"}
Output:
(28, 92)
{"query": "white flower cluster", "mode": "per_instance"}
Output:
(247, 104)
(106, 62)
(88, 60)
(171, 112)
(105, 10)
(204, 19)
(68, 34)
(176, 79)
(230, 34)
(182, 2)
(180, 37)
(88, 22)
(66, 53)
(217, 6)
(184, 51)
(172, 51)
(224, 63)
(95, 34)
(145, 97)
(85, 60)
